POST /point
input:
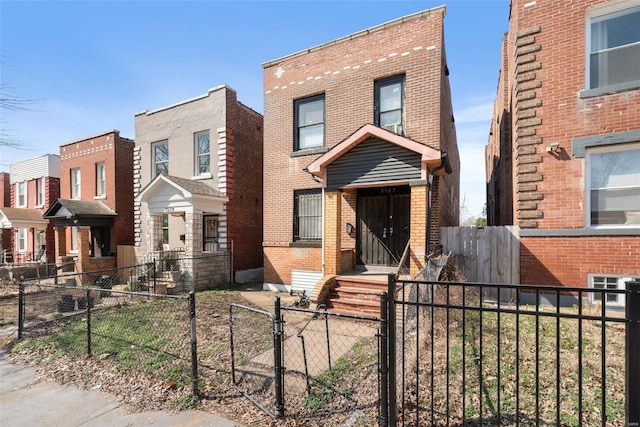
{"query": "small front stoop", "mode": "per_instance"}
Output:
(357, 294)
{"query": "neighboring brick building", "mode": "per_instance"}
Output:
(5, 200)
(94, 214)
(34, 185)
(563, 160)
(354, 130)
(198, 182)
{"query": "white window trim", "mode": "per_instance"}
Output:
(587, 182)
(76, 183)
(153, 156)
(21, 236)
(594, 13)
(101, 180)
(196, 165)
(23, 185)
(40, 192)
(622, 279)
(74, 240)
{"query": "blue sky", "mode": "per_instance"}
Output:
(89, 66)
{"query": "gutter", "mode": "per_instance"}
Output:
(444, 164)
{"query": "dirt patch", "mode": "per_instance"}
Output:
(138, 390)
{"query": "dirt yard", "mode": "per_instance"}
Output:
(140, 391)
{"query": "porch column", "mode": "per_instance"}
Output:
(332, 231)
(84, 246)
(418, 237)
(154, 227)
(193, 234)
(60, 242)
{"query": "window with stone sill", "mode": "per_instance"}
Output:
(613, 186)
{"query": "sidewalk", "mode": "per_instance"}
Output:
(27, 400)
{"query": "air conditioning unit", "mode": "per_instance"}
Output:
(395, 128)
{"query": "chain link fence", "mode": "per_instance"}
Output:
(307, 364)
(134, 330)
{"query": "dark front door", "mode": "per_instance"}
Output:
(383, 225)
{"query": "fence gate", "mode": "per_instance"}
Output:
(255, 363)
(315, 362)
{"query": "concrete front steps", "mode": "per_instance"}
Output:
(357, 294)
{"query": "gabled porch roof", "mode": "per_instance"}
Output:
(167, 193)
(67, 212)
(22, 218)
(430, 158)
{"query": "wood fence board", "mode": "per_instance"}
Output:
(489, 254)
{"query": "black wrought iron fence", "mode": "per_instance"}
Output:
(142, 331)
(464, 356)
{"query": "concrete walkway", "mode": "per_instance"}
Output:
(27, 400)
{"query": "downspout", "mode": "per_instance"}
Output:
(444, 164)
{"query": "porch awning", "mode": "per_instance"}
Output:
(69, 212)
(407, 158)
(22, 218)
(167, 193)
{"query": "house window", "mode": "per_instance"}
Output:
(41, 242)
(22, 194)
(309, 121)
(210, 234)
(74, 239)
(75, 183)
(307, 215)
(203, 157)
(22, 240)
(160, 158)
(40, 192)
(165, 229)
(609, 282)
(613, 47)
(613, 186)
(389, 104)
(101, 185)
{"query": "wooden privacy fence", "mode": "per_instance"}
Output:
(489, 254)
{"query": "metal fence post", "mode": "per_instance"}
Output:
(89, 322)
(20, 308)
(194, 343)
(384, 367)
(277, 358)
(632, 379)
(391, 336)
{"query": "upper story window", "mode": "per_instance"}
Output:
(21, 201)
(613, 186)
(389, 104)
(613, 48)
(75, 184)
(40, 196)
(203, 152)
(160, 154)
(307, 215)
(309, 122)
(101, 185)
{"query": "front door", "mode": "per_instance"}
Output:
(383, 225)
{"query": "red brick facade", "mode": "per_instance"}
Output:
(117, 154)
(244, 183)
(543, 99)
(345, 71)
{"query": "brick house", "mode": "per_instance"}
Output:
(5, 202)
(198, 185)
(33, 185)
(355, 131)
(94, 214)
(563, 159)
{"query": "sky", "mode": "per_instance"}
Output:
(86, 67)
